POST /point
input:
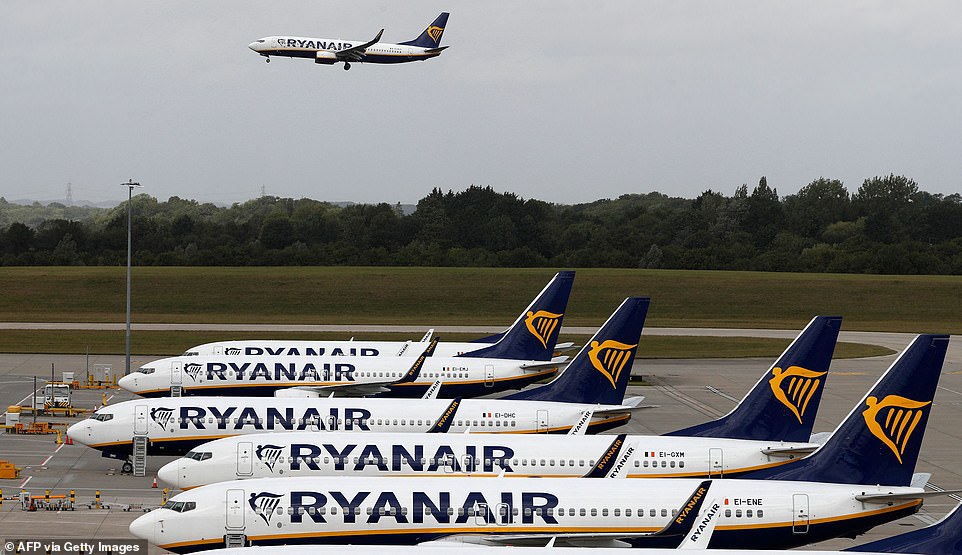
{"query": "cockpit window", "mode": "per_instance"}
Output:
(102, 416)
(260, 40)
(180, 506)
(146, 370)
(199, 455)
(190, 353)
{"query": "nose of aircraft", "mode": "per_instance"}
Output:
(143, 527)
(78, 432)
(169, 474)
(253, 45)
(129, 383)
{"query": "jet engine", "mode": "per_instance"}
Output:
(325, 57)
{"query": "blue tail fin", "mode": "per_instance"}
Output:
(534, 334)
(942, 538)
(783, 403)
(599, 372)
(431, 37)
(879, 441)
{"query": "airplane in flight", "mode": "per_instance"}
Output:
(332, 51)
(532, 336)
(596, 379)
(488, 369)
(383, 454)
(862, 477)
(944, 537)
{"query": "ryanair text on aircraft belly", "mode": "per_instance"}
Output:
(410, 510)
(264, 375)
(174, 425)
(308, 454)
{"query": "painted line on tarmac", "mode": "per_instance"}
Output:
(24, 482)
(951, 390)
(29, 395)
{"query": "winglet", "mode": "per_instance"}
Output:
(688, 513)
(415, 370)
(701, 531)
(432, 392)
(446, 419)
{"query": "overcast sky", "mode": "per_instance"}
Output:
(561, 101)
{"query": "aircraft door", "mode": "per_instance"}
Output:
(542, 421)
(468, 464)
(176, 373)
(245, 463)
(800, 514)
(140, 419)
(716, 463)
(488, 375)
(235, 509)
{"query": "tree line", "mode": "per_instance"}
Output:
(887, 226)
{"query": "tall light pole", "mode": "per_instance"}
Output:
(130, 192)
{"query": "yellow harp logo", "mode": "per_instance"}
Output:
(435, 32)
(610, 358)
(900, 417)
(542, 324)
(795, 387)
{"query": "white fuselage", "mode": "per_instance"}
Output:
(307, 454)
(264, 374)
(281, 347)
(408, 510)
(321, 49)
(177, 425)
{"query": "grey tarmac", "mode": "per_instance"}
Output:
(686, 392)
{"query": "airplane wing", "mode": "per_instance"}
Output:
(354, 389)
(355, 53)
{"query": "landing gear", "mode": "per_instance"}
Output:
(347, 66)
(268, 59)
(127, 468)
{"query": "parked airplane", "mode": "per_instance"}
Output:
(873, 459)
(942, 538)
(532, 336)
(321, 367)
(343, 453)
(595, 380)
(332, 51)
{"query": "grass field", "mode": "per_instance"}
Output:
(469, 296)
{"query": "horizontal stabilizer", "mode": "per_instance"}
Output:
(890, 497)
(790, 450)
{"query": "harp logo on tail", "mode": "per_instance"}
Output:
(268, 454)
(264, 504)
(435, 33)
(610, 357)
(542, 324)
(795, 387)
(893, 419)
